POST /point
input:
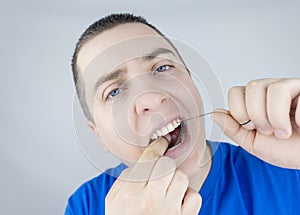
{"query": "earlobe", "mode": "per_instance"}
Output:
(92, 126)
(94, 129)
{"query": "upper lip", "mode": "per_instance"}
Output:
(164, 123)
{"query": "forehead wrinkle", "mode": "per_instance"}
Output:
(120, 72)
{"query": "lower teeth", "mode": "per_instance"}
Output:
(174, 147)
(180, 139)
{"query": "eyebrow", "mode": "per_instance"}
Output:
(110, 76)
(119, 72)
(156, 53)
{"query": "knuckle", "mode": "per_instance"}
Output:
(277, 87)
(297, 112)
(196, 197)
(194, 200)
(182, 177)
(297, 119)
(236, 99)
(234, 90)
(255, 84)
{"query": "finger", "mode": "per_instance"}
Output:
(234, 130)
(142, 170)
(192, 203)
(255, 95)
(279, 98)
(154, 150)
(162, 175)
(177, 188)
(264, 147)
(237, 107)
(297, 113)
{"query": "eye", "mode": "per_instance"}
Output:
(163, 68)
(114, 93)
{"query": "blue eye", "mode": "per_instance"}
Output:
(162, 68)
(114, 92)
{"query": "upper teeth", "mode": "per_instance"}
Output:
(166, 129)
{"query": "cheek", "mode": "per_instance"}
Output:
(105, 129)
(195, 94)
(115, 144)
(190, 98)
(127, 153)
(140, 126)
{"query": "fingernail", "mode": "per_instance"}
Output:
(280, 133)
(265, 129)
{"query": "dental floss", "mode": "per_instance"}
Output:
(205, 114)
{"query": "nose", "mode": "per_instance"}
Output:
(148, 103)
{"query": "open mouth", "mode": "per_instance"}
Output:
(174, 132)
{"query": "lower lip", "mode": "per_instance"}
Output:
(181, 149)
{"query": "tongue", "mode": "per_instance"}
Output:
(174, 137)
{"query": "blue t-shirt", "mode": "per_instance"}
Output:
(238, 183)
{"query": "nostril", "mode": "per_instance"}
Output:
(146, 109)
(163, 100)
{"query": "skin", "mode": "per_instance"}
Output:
(137, 116)
(273, 106)
(191, 168)
(268, 103)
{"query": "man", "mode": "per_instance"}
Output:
(137, 95)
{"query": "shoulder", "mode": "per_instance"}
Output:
(89, 197)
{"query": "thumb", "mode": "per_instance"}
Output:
(232, 128)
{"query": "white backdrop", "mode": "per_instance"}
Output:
(40, 161)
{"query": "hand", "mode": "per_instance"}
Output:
(273, 106)
(152, 186)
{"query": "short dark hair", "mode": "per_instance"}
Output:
(93, 30)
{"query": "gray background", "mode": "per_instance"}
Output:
(40, 161)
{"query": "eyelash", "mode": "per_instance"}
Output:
(114, 90)
(165, 65)
(109, 97)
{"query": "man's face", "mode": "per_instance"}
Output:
(138, 89)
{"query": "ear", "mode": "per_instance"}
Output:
(92, 126)
(94, 129)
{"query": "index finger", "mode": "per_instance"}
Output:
(144, 166)
(154, 150)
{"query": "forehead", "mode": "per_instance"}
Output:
(132, 38)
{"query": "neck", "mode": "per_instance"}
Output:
(197, 180)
